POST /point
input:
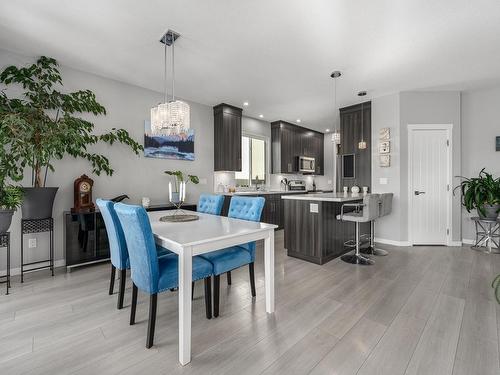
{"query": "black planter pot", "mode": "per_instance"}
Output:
(5, 220)
(491, 211)
(38, 202)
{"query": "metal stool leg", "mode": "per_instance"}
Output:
(357, 258)
(372, 249)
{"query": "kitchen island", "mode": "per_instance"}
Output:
(312, 231)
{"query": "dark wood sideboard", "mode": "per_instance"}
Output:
(85, 237)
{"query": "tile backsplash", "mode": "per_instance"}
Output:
(226, 179)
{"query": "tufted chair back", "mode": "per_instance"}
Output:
(210, 204)
(116, 238)
(141, 245)
(371, 207)
(386, 203)
(247, 208)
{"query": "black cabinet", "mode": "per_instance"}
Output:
(86, 239)
(351, 119)
(289, 141)
(227, 138)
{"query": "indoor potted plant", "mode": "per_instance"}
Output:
(11, 198)
(43, 126)
(481, 193)
(179, 178)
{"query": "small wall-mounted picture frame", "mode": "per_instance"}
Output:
(385, 160)
(384, 147)
(498, 143)
(384, 134)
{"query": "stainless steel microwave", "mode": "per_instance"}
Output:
(306, 164)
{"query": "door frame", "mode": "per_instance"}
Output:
(449, 132)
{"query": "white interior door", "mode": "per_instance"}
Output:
(429, 179)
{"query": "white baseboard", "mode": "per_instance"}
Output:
(17, 271)
(456, 243)
(392, 242)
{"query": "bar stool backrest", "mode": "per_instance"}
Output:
(371, 207)
(386, 204)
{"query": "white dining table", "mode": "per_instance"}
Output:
(209, 233)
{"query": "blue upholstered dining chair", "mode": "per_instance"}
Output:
(150, 273)
(210, 204)
(226, 260)
(117, 247)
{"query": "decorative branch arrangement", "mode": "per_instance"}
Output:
(44, 126)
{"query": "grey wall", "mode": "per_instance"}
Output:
(397, 112)
(436, 107)
(385, 114)
(480, 126)
(127, 107)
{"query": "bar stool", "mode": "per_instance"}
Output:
(369, 212)
(385, 208)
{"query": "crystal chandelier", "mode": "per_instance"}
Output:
(170, 117)
(336, 131)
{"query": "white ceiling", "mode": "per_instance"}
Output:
(277, 55)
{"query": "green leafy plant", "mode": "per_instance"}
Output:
(44, 126)
(496, 285)
(179, 177)
(11, 197)
(479, 191)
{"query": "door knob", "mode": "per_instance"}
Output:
(419, 192)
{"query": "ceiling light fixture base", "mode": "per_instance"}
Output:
(168, 39)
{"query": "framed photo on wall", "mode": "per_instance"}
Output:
(384, 147)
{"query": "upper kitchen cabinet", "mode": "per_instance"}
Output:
(352, 119)
(227, 138)
(288, 141)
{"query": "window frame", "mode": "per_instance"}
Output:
(267, 161)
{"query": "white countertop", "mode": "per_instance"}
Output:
(263, 192)
(326, 197)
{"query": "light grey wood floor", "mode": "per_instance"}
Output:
(420, 310)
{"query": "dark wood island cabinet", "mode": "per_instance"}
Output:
(312, 231)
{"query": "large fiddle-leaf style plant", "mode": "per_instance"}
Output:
(45, 124)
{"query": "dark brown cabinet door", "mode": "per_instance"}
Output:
(227, 138)
(289, 141)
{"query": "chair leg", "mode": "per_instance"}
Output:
(121, 292)
(229, 281)
(252, 278)
(112, 280)
(208, 297)
(133, 307)
(192, 291)
(152, 320)
(216, 295)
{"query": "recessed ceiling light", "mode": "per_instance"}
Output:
(327, 130)
(245, 104)
(298, 120)
(261, 116)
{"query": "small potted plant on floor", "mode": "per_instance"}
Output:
(481, 193)
(179, 178)
(44, 125)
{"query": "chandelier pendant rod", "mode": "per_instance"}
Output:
(173, 66)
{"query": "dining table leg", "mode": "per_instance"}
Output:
(269, 270)
(185, 279)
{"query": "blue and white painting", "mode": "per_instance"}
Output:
(178, 145)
